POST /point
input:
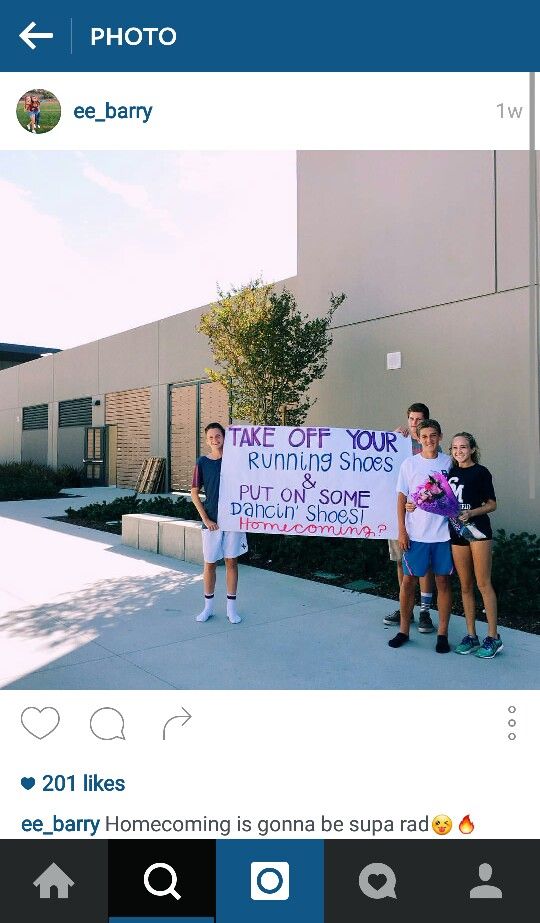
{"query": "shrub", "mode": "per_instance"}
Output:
(70, 476)
(348, 559)
(27, 481)
(181, 508)
(516, 571)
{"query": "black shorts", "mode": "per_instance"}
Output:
(457, 540)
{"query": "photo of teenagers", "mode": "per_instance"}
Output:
(278, 435)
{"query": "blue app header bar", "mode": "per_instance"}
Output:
(242, 36)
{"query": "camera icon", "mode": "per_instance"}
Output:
(269, 881)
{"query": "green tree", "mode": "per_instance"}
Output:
(267, 353)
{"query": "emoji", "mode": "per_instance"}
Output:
(441, 824)
(466, 825)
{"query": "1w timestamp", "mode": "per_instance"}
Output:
(505, 111)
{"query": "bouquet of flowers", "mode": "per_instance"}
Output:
(436, 496)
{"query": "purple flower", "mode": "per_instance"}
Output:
(436, 496)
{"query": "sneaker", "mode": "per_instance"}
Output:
(489, 647)
(469, 644)
(394, 618)
(425, 625)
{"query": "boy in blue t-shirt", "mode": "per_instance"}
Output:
(217, 544)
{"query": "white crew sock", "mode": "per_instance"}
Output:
(208, 610)
(232, 614)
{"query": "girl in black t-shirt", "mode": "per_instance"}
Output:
(473, 487)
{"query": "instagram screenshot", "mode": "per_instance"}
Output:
(269, 469)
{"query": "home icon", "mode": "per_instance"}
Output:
(53, 877)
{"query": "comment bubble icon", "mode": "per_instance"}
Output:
(107, 724)
(377, 881)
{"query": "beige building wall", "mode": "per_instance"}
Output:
(395, 230)
(76, 372)
(439, 272)
(9, 387)
(10, 435)
(36, 380)
(70, 446)
(477, 390)
(35, 446)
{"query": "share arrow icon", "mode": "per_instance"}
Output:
(27, 35)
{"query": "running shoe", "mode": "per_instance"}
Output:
(425, 625)
(394, 618)
(489, 648)
(469, 644)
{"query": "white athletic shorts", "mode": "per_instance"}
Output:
(218, 544)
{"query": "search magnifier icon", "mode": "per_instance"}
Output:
(165, 891)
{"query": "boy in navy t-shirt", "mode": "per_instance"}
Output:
(217, 544)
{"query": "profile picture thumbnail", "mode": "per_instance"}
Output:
(38, 111)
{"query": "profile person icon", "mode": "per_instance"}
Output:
(485, 891)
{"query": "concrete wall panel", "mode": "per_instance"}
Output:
(71, 445)
(36, 382)
(183, 353)
(129, 360)
(76, 372)
(394, 230)
(162, 415)
(512, 168)
(9, 388)
(52, 440)
(155, 448)
(35, 446)
(463, 361)
(10, 439)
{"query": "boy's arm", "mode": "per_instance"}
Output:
(209, 523)
(403, 536)
(196, 485)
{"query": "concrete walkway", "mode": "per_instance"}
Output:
(78, 610)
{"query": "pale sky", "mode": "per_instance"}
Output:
(96, 243)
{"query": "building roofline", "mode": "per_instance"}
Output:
(27, 350)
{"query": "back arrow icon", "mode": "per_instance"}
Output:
(27, 35)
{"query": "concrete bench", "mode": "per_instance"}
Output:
(177, 538)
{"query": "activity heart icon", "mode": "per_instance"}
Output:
(28, 782)
(377, 881)
(40, 722)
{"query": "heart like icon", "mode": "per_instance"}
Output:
(40, 722)
(28, 782)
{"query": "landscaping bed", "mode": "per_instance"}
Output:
(357, 565)
(30, 481)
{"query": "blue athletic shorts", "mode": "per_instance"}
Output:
(424, 556)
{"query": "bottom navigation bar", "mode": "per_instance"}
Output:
(232, 881)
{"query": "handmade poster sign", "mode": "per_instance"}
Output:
(311, 480)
